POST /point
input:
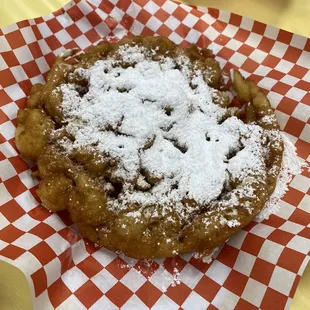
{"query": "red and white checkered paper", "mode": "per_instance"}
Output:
(259, 267)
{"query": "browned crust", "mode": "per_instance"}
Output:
(75, 183)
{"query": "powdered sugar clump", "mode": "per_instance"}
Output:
(176, 277)
(158, 122)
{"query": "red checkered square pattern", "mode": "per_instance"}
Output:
(267, 258)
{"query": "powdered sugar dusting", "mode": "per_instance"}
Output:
(291, 166)
(157, 121)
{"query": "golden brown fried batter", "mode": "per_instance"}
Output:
(84, 180)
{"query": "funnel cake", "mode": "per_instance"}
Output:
(148, 150)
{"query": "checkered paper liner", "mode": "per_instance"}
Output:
(259, 267)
